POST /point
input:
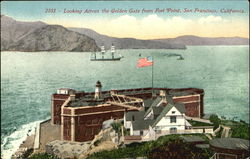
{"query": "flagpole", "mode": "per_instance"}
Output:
(152, 76)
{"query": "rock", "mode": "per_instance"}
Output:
(112, 133)
(115, 140)
(64, 149)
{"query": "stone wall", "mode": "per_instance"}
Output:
(48, 133)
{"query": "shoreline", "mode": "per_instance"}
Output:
(26, 146)
(19, 139)
(45, 51)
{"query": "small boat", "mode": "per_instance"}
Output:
(180, 58)
(113, 58)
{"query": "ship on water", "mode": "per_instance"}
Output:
(180, 58)
(94, 56)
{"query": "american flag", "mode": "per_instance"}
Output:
(143, 62)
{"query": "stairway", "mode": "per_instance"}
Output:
(225, 132)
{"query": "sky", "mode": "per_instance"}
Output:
(139, 19)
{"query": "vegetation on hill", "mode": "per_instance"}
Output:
(171, 145)
(117, 127)
(43, 156)
(215, 120)
(148, 149)
(239, 129)
(178, 149)
(197, 123)
(167, 147)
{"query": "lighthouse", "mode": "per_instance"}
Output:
(98, 90)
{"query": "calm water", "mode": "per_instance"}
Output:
(28, 80)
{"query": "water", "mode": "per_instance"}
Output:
(29, 79)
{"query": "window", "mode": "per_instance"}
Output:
(173, 130)
(157, 127)
(173, 112)
(133, 118)
(173, 119)
(141, 132)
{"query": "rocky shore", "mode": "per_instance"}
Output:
(25, 148)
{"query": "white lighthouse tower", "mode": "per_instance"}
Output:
(98, 90)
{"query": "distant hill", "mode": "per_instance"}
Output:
(195, 40)
(38, 36)
(168, 43)
(126, 43)
(12, 30)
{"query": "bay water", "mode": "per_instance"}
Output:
(29, 78)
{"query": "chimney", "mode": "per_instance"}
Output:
(113, 92)
(98, 90)
(163, 95)
(72, 97)
(154, 95)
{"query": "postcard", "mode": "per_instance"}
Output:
(125, 79)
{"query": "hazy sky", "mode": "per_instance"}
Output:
(222, 18)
